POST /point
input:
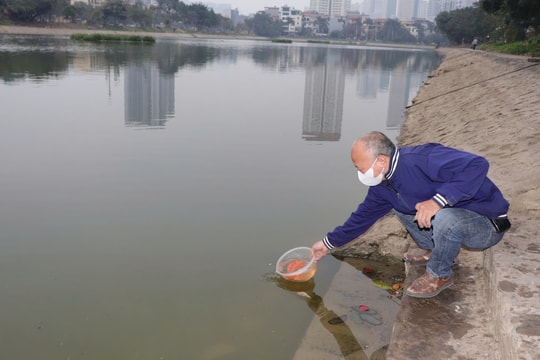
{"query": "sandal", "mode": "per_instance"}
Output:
(422, 259)
(427, 286)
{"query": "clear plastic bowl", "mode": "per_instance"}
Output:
(297, 264)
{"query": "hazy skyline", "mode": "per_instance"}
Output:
(247, 7)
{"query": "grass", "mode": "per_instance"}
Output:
(319, 41)
(531, 47)
(113, 38)
(284, 41)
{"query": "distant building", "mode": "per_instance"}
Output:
(291, 18)
(450, 5)
(407, 9)
(434, 8)
(310, 19)
(220, 9)
(332, 8)
(358, 22)
(391, 8)
(335, 24)
(146, 3)
(235, 17)
(273, 12)
(410, 25)
(93, 3)
(358, 7)
(380, 8)
(320, 6)
(422, 12)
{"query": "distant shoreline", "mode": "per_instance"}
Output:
(70, 29)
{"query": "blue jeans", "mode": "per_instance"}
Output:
(450, 229)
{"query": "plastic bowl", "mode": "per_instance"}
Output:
(297, 264)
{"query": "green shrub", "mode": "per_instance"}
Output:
(515, 48)
(113, 38)
(530, 46)
(284, 41)
(77, 37)
(319, 41)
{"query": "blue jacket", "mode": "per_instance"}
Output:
(451, 177)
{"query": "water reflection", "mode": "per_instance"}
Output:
(31, 64)
(171, 57)
(392, 72)
(334, 323)
(323, 96)
(149, 74)
(148, 95)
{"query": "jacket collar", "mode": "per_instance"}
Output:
(393, 164)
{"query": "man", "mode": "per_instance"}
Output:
(442, 196)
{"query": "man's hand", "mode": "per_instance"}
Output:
(425, 211)
(319, 250)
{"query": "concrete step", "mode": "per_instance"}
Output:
(453, 325)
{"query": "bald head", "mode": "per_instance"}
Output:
(375, 143)
(373, 148)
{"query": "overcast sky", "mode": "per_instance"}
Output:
(247, 7)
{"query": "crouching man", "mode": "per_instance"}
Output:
(442, 196)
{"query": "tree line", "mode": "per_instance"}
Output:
(363, 29)
(491, 21)
(169, 13)
(175, 14)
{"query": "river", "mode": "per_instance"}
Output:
(147, 191)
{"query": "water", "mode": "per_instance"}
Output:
(148, 190)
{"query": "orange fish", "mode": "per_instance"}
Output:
(295, 265)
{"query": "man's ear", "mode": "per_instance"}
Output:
(385, 160)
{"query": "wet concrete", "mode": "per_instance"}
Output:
(340, 329)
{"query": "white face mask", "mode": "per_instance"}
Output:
(368, 179)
